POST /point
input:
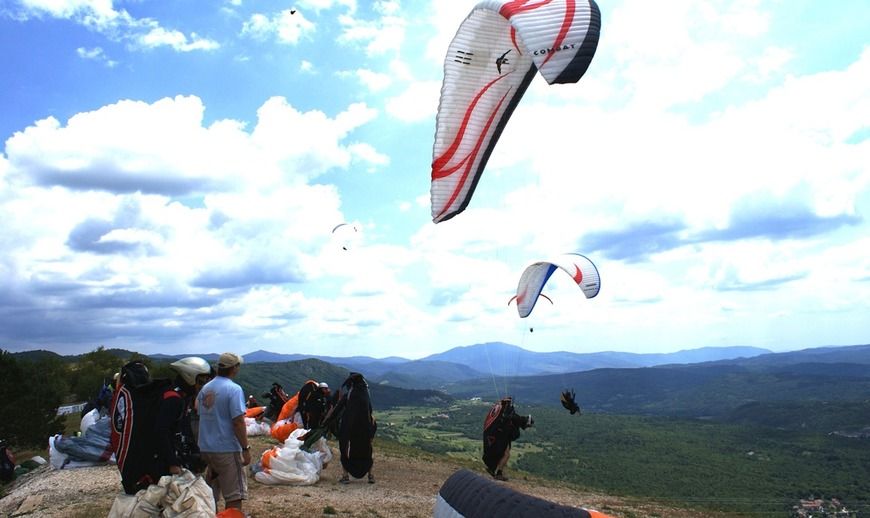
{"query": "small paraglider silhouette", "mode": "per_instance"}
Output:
(568, 402)
(347, 236)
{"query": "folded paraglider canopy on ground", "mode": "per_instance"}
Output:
(468, 495)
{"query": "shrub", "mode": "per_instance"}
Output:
(31, 393)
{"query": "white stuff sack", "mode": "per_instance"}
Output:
(178, 496)
(288, 464)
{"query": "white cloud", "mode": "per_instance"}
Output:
(159, 37)
(379, 36)
(116, 25)
(771, 62)
(323, 5)
(96, 54)
(285, 27)
(258, 228)
(374, 81)
(366, 153)
(164, 148)
(94, 13)
(418, 102)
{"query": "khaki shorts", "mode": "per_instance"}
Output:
(226, 476)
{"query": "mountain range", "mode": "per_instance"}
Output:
(493, 359)
(824, 387)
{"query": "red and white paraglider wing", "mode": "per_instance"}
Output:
(489, 64)
(561, 36)
(485, 75)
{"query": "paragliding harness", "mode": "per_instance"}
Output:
(277, 398)
(311, 405)
(501, 427)
(503, 415)
(567, 399)
(133, 416)
(332, 420)
(7, 463)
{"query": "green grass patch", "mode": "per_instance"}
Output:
(680, 462)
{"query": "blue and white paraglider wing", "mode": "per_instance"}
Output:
(536, 275)
(490, 63)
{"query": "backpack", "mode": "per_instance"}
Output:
(312, 404)
(277, 398)
(7, 463)
(133, 416)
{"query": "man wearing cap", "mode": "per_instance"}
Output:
(223, 439)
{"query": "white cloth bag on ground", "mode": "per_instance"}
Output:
(288, 464)
(257, 428)
(89, 419)
(177, 496)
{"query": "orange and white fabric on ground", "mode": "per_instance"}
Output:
(290, 465)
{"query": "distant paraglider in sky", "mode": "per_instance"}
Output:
(536, 275)
(491, 61)
(345, 235)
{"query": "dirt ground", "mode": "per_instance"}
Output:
(405, 487)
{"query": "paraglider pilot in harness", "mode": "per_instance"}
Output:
(567, 399)
(501, 427)
(351, 420)
(176, 439)
(151, 430)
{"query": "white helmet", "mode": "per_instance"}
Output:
(191, 367)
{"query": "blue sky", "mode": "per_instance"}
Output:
(171, 171)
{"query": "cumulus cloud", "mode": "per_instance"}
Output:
(284, 27)
(376, 37)
(139, 213)
(762, 219)
(114, 24)
(164, 148)
(159, 37)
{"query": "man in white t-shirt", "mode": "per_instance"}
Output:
(223, 438)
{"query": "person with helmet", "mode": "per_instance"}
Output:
(174, 430)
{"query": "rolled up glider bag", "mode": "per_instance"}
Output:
(468, 495)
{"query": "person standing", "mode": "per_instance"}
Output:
(356, 428)
(173, 432)
(223, 438)
(500, 428)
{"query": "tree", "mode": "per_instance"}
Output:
(31, 391)
(94, 369)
